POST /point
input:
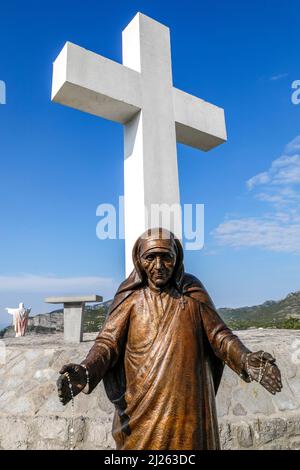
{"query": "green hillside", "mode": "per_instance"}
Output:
(284, 313)
(94, 317)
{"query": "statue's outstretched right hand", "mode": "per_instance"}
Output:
(78, 380)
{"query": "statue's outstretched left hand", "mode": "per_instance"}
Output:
(261, 367)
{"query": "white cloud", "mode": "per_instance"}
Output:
(274, 234)
(280, 198)
(278, 77)
(279, 228)
(293, 146)
(60, 285)
(284, 170)
(261, 178)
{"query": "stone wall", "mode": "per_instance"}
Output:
(249, 416)
(31, 417)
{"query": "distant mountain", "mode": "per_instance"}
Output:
(283, 313)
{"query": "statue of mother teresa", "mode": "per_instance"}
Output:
(161, 354)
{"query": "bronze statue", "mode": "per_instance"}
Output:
(161, 354)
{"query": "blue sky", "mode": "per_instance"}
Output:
(57, 164)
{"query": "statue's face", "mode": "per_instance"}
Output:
(159, 264)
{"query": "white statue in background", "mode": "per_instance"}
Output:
(20, 318)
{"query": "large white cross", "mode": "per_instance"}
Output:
(140, 95)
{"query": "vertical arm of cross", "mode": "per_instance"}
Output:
(151, 173)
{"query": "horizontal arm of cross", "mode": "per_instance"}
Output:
(91, 83)
(198, 123)
(94, 84)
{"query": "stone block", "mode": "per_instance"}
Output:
(267, 430)
(239, 410)
(54, 428)
(9, 438)
(96, 433)
(245, 435)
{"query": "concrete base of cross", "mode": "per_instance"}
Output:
(73, 314)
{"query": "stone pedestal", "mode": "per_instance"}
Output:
(73, 314)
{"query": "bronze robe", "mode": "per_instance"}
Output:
(161, 357)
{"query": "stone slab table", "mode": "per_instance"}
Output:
(73, 314)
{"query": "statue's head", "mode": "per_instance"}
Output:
(157, 253)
